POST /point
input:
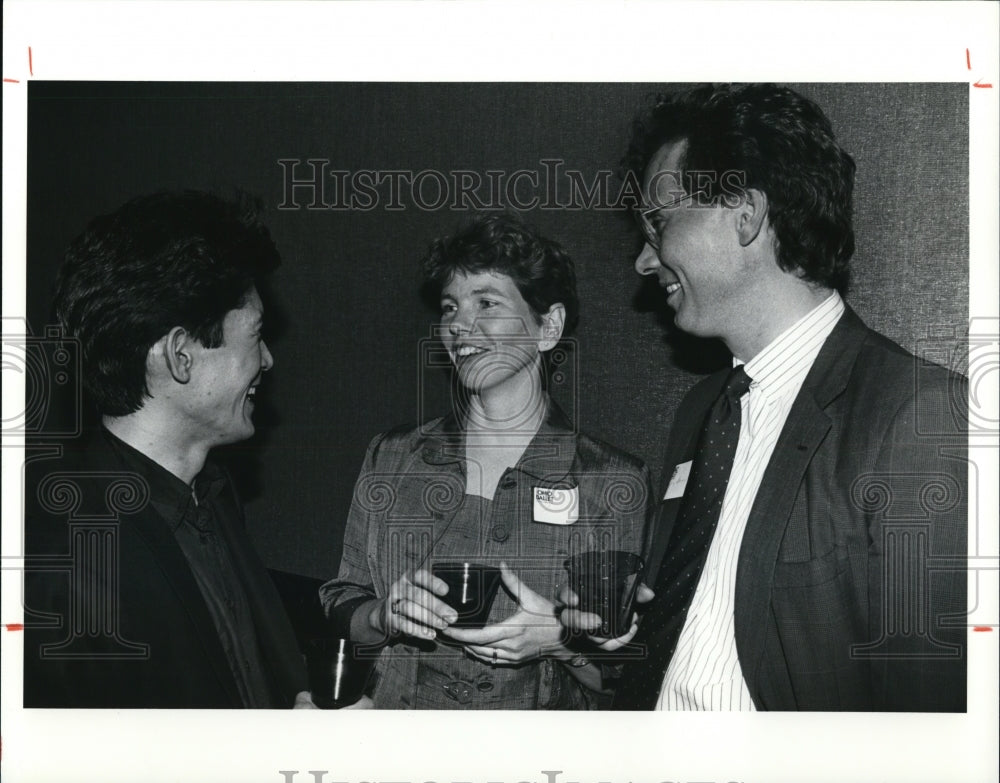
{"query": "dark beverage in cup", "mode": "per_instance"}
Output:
(337, 675)
(471, 590)
(606, 583)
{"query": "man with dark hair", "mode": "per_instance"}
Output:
(812, 531)
(142, 587)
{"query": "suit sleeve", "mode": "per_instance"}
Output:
(354, 584)
(918, 560)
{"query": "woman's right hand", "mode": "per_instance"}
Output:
(579, 622)
(413, 608)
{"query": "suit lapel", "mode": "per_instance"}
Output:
(805, 428)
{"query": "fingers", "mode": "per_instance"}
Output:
(490, 655)
(499, 656)
(413, 608)
(516, 587)
(527, 599)
(429, 582)
(577, 621)
(567, 597)
(303, 701)
(491, 634)
(644, 594)
(610, 645)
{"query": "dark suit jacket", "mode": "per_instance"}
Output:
(139, 635)
(851, 582)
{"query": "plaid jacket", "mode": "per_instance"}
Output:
(403, 517)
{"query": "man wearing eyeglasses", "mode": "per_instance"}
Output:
(792, 563)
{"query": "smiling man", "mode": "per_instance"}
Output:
(812, 530)
(142, 587)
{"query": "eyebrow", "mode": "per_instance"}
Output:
(480, 292)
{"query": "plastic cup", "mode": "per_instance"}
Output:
(337, 676)
(471, 590)
(606, 583)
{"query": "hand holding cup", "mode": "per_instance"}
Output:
(598, 601)
(414, 607)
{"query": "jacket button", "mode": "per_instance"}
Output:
(484, 686)
(500, 533)
(459, 691)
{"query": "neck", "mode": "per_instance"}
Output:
(774, 310)
(518, 409)
(149, 435)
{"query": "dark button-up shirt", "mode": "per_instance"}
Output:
(192, 513)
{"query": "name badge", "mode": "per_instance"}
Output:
(678, 481)
(556, 506)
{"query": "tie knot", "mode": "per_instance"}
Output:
(737, 383)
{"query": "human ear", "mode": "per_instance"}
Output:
(552, 327)
(176, 351)
(750, 215)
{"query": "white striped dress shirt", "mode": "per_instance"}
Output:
(705, 673)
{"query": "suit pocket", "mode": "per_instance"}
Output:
(815, 572)
(817, 614)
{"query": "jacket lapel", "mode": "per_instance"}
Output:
(804, 431)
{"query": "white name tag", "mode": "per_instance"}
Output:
(556, 506)
(678, 480)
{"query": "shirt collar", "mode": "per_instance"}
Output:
(549, 456)
(786, 360)
(170, 496)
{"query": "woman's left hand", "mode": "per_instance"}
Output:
(532, 631)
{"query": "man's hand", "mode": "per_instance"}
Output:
(577, 622)
(413, 607)
(532, 631)
(303, 701)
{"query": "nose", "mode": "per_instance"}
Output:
(459, 323)
(647, 262)
(266, 360)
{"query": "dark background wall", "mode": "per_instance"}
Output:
(347, 327)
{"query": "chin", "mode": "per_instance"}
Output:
(243, 433)
(689, 325)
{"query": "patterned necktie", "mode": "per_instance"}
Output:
(687, 549)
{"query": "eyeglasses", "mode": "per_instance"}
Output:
(642, 217)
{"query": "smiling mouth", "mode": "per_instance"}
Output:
(672, 288)
(465, 351)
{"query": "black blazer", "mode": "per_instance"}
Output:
(155, 645)
(869, 469)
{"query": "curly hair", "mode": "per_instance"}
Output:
(542, 271)
(160, 261)
(778, 142)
